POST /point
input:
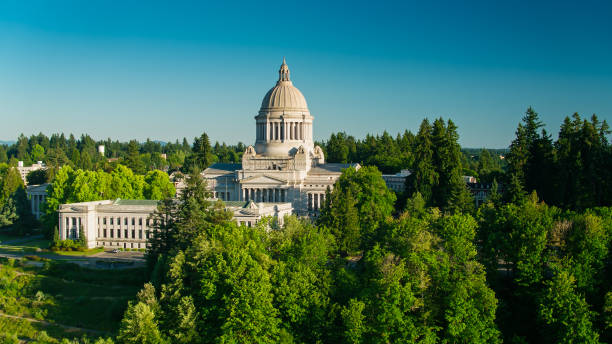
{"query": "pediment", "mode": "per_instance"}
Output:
(263, 180)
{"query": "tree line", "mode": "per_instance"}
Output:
(82, 153)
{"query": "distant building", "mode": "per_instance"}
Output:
(101, 149)
(481, 192)
(37, 194)
(127, 223)
(396, 182)
(24, 170)
(469, 179)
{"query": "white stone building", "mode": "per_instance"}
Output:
(127, 223)
(396, 182)
(37, 194)
(284, 165)
(24, 170)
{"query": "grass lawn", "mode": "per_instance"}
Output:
(64, 293)
(36, 245)
(6, 237)
(80, 253)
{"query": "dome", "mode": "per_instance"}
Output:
(284, 96)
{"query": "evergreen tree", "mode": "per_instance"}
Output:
(139, 326)
(82, 240)
(133, 160)
(423, 176)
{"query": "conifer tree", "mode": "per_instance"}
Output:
(423, 176)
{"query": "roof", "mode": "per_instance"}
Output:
(143, 202)
(330, 168)
(222, 168)
(249, 204)
(284, 96)
(37, 188)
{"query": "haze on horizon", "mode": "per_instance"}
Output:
(137, 70)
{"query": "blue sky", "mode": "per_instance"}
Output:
(165, 70)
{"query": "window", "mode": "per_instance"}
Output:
(111, 233)
(111, 221)
(104, 236)
(140, 221)
(118, 221)
(133, 234)
(118, 233)
(125, 221)
(133, 221)
(140, 234)
(104, 221)
(126, 234)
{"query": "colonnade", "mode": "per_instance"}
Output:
(264, 194)
(283, 131)
(315, 200)
(35, 203)
(71, 225)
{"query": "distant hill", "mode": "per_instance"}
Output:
(8, 143)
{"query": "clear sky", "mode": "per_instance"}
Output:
(165, 70)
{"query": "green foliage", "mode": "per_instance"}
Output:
(353, 321)
(158, 185)
(359, 203)
(139, 326)
(37, 177)
(565, 313)
(63, 294)
(201, 156)
(437, 170)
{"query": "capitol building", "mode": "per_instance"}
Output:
(284, 173)
(284, 165)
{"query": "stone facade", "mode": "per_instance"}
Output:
(284, 165)
(396, 182)
(116, 224)
(127, 223)
(37, 194)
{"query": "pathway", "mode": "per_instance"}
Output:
(46, 323)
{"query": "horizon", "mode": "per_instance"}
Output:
(164, 72)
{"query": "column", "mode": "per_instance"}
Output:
(302, 131)
(267, 130)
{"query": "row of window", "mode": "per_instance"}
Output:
(126, 233)
(126, 220)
